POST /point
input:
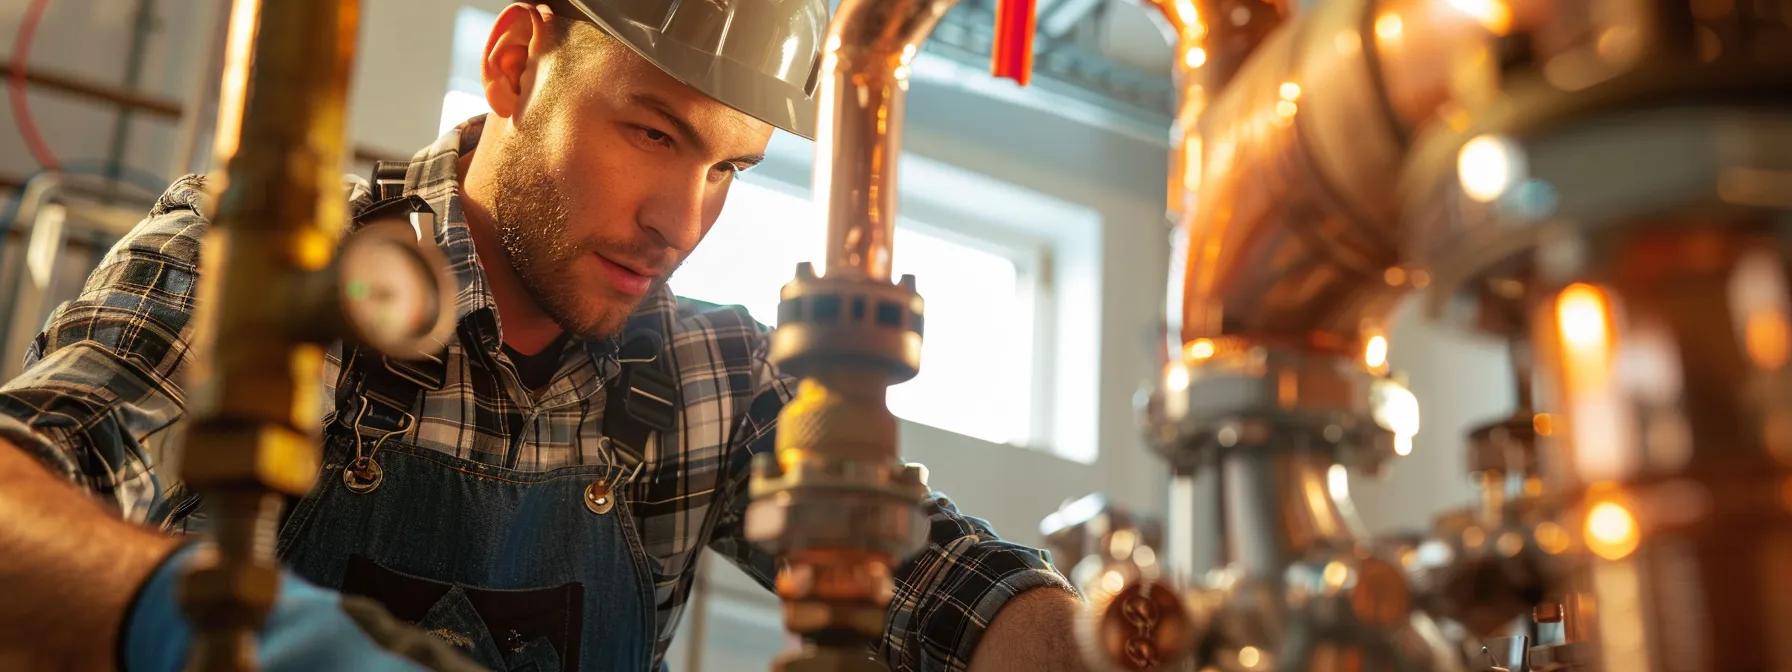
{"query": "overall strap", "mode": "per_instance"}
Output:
(643, 399)
(388, 179)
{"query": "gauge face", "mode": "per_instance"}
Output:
(389, 292)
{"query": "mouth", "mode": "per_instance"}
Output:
(626, 278)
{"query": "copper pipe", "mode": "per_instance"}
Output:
(864, 82)
(836, 505)
(1679, 481)
(1188, 35)
(1206, 58)
(1235, 29)
(1293, 239)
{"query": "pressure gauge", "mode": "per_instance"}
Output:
(394, 293)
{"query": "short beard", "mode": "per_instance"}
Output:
(532, 215)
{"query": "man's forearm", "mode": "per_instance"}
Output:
(1034, 631)
(69, 567)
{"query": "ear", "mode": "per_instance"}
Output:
(513, 53)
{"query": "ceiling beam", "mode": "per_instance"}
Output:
(1063, 16)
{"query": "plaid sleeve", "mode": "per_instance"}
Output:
(945, 596)
(100, 379)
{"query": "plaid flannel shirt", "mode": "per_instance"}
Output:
(104, 380)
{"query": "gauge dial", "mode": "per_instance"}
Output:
(392, 292)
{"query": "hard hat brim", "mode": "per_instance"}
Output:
(752, 90)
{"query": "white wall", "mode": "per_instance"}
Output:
(1117, 175)
(91, 39)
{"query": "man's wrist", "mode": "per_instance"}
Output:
(148, 597)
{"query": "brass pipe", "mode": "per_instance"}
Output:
(864, 84)
(255, 419)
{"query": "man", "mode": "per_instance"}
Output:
(499, 488)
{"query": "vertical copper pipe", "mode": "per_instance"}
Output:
(864, 84)
(1188, 33)
(836, 505)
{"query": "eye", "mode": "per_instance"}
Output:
(725, 170)
(654, 136)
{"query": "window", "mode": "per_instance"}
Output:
(466, 96)
(977, 359)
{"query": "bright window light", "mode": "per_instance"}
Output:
(977, 356)
(459, 106)
(466, 95)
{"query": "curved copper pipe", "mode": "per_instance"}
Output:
(864, 82)
(1293, 238)
(1206, 58)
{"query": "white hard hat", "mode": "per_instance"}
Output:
(756, 56)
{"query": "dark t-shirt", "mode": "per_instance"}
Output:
(538, 369)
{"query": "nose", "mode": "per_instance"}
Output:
(674, 212)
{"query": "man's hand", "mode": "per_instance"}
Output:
(69, 568)
(1034, 631)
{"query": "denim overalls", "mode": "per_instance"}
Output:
(533, 571)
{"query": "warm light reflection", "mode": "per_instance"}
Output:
(1489, 165)
(238, 57)
(1289, 91)
(1766, 335)
(1337, 482)
(1144, 556)
(1395, 409)
(1176, 378)
(1286, 109)
(1551, 538)
(1389, 27)
(1395, 276)
(1593, 412)
(1494, 15)
(1249, 657)
(1199, 349)
(1375, 354)
(1194, 58)
(1611, 530)
(1758, 299)
(1335, 575)
(1543, 424)
(1581, 319)
(1183, 15)
(1112, 581)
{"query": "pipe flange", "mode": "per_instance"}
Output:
(1267, 399)
(843, 504)
(826, 323)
